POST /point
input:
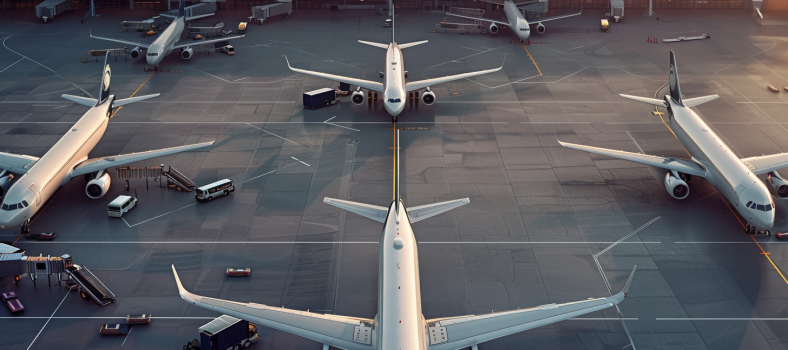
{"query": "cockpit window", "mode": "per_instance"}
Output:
(748, 204)
(395, 100)
(761, 207)
(25, 203)
(768, 207)
(12, 207)
(5, 207)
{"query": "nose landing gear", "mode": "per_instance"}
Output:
(750, 230)
(26, 227)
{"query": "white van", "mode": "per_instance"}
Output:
(216, 189)
(121, 205)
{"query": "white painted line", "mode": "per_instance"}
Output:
(54, 92)
(241, 79)
(627, 236)
(49, 319)
(344, 127)
(49, 69)
(574, 48)
(11, 65)
(604, 319)
(127, 336)
(124, 220)
(743, 242)
(329, 119)
(270, 133)
(721, 319)
(300, 161)
(299, 242)
(259, 176)
(477, 50)
(156, 217)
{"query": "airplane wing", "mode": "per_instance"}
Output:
(366, 84)
(547, 19)
(16, 163)
(98, 164)
(422, 212)
(370, 211)
(211, 41)
(127, 42)
(347, 333)
(669, 163)
(416, 85)
(478, 18)
(763, 164)
(465, 331)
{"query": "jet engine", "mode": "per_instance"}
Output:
(540, 28)
(135, 53)
(676, 187)
(187, 52)
(357, 97)
(98, 187)
(5, 183)
(428, 97)
(493, 28)
(779, 185)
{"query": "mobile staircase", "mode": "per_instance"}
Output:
(179, 181)
(89, 285)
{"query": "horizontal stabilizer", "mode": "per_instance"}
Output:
(651, 101)
(125, 101)
(85, 101)
(382, 46)
(405, 46)
(370, 211)
(697, 101)
(422, 212)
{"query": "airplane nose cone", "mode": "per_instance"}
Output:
(395, 108)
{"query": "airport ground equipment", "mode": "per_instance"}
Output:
(123, 51)
(262, 13)
(215, 189)
(463, 27)
(215, 30)
(90, 287)
(616, 10)
(128, 172)
(605, 25)
(320, 98)
(13, 303)
(114, 329)
(145, 25)
(242, 28)
(227, 332)
(44, 236)
(231, 272)
(48, 265)
(13, 265)
(686, 38)
(196, 10)
(48, 9)
(467, 11)
(176, 179)
(138, 319)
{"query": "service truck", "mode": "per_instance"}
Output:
(320, 97)
(261, 13)
(48, 9)
(617, 10)
(227, 332)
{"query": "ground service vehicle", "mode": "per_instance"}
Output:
(114, 329)
(319, 98)
(121, 205)
(13, 303)
(216, 189)
(50, 8)
(227, 332)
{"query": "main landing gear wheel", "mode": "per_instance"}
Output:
(749, 229)
(767, 232)
(25, 228)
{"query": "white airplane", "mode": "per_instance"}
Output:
(67, 159)
(399, 324)
(165, 43)
(394, 87)
(710, 158)
(515, 20)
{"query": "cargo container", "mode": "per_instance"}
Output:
(227, 332)
(261, 13)
(48, 9)
(319, 98)
(617, 10)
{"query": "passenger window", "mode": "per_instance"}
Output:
(25, 203)
(12, 207)
(768, 207)
(760, 207)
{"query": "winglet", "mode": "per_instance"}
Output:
(288, 63)
(185, 295)
(625, 290)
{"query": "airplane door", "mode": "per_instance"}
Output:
(34, 189)
(739, 190)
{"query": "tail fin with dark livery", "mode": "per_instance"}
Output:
(106, 75)
(104, 92)
(673, 81)
(181, 6)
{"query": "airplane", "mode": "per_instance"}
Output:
(399, 323)
(515, 20)
(710, 158)
(165, 44)
(394, 87)
(68, 159)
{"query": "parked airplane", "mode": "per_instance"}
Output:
(394, 87)
(67, 159)
(515, 20)
(710, 158)
(165, 44)
(399, 324)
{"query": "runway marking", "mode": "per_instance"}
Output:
(627, 236)
(299, 242)
(270, 133)
(604, 319)
(720, 319)
(242, 82)
(300, 161)
(17, 239)
(344, 127)
(763, 252)
(127, 336)
(532, 60)
(49, 319)
(465, 47)
(462, 58)
(730, 242)
(53, 92)
(49, 69)
(11, 65)
(156, 217)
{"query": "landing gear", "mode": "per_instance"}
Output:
(767, 232)
(26, 228)
(749, 229)
(394, 119)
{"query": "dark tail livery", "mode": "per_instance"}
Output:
(673, 81)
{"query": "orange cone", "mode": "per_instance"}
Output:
(649, 39)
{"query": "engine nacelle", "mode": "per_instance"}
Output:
(779, 185)
(357, 97)
(540, 28)
(135, 53)
(676, 187)
(187, 52)
(428, 97)
(493, 28)
(97, 188)
(5, 183)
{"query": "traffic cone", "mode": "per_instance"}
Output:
(655, 40)
(649, 40)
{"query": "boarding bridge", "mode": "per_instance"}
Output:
(49, 265)
(123, 51)
(465, 27)
(151, 172)
(468, 11)
(145, 25)
(90, 286)
(216, 30)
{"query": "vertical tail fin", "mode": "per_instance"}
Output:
(106, 74)
(181, 6)
(673, 81)
(391, 2)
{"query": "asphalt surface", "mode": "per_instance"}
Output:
(541, 221)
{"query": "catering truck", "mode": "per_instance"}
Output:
(48, 9)
(227, 332)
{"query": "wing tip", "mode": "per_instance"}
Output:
(625, 290)
(185, 295)
(327, 200)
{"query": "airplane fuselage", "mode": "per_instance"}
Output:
(54, 169)
(400, 321)
(725, 171)
(162, 46)
(394, 94)
(517, 22)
